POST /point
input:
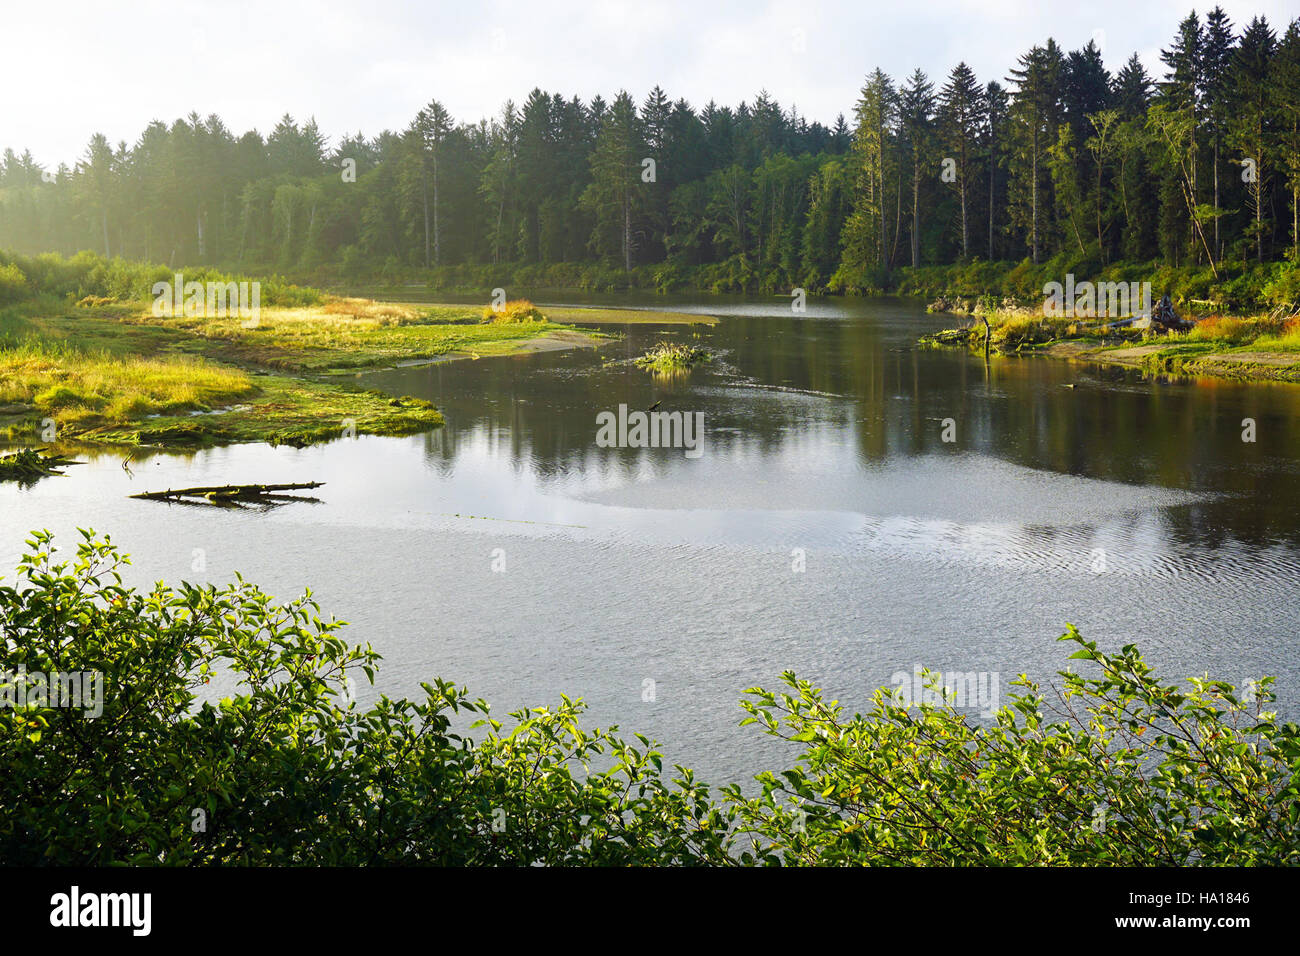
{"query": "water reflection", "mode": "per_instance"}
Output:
(1129, 507)
(829, 399)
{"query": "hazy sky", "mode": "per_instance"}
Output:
(70, 69)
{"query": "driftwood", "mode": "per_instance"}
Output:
(232, 495)
(30, 465)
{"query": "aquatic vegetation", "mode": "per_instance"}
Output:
(672, 357)
(349, 334)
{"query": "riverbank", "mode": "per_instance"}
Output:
(1249, 348)
(114, 373)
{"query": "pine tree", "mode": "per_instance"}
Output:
(1035, 119)
(995, 105)
(1216, 58)
(1286, 100)
(866, 243)
(427, 133)
(1251, 127)
(959, 116)
(1181, 97)
(915, 116)
(617, 195)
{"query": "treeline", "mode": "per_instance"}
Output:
(1200, 168)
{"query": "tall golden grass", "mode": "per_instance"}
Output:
(368, 310)
(516, 310)
(69, 386)
(1261, 332)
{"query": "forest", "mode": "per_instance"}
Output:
(1198, 167)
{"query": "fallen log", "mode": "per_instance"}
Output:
(231, 493)
(30, 465)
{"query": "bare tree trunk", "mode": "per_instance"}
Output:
(993, 166)
(1033, 202)
(424, 194)
(1218, 245)
(898, 218)
(916, 213)
(496, 244)
(883, 255)
(1101, 248)
(437, 237)
(1191, 182)
(1259, 210)
(627, 231)
(965, 235)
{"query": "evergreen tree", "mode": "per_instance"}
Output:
(958, 121)
(1251, 128)
(617, 196)
(916, 129)
(1035, 121)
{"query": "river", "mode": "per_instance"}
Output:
(826, 527)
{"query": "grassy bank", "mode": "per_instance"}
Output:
(76, 363)
(350, 334)
(608, 316)
(1239, 347)
(183, 400)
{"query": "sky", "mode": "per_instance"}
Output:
(71, 69)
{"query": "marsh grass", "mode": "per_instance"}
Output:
(513, 312)
(1012, 330)
(113, 372)
(1261, 333)
(381, 314)
(75, 387)
(1009, 331)
(151, 401)
(347, 334)
(285, 411)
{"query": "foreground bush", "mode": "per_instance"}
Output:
(288, 769)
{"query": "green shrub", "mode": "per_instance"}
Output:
(286, 768)
(229, 733)
(13, 284)
(1119, 770)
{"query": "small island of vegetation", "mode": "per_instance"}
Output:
(670, 357)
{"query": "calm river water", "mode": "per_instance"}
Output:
(827, 527)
